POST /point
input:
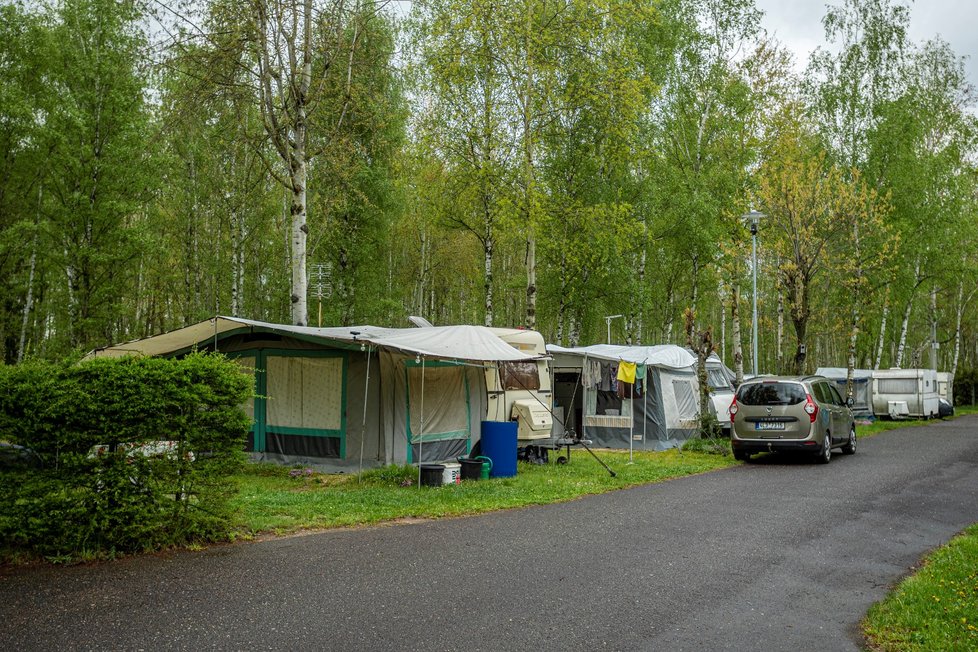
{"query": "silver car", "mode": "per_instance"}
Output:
(798, 413)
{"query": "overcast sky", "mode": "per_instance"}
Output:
(798, 25)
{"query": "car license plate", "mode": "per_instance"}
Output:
(769, 425)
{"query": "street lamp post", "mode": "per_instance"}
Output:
(607, 320)
(753, 218)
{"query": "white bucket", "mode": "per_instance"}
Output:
(453, 473)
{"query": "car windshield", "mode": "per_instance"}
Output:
(771, 393)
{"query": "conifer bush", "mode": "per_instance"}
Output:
(128, 454)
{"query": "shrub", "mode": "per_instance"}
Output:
(135, 453)
(710, 445)
(965, 387)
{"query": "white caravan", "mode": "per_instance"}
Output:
(901, 393)
(521, 391)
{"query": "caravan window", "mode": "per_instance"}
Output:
(898, 386)
(519, 375)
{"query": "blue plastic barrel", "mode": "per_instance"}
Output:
(499, 445)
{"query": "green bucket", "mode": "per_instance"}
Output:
(475, 468)
(486, 466)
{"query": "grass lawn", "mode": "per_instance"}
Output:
(880, 425)
(936, 608)
(275, 499)
(281, 500)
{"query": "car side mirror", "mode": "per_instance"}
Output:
(850, 402)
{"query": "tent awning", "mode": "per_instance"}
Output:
(460, 343)
(661, 355)
(842, 372)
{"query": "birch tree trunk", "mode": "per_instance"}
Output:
(738, 349)
(778, 345)
(669, 303)
(723, 324)
(851, 357)
(963, 302)
(528, 180)
(639, 318)
(905, 325)
(854, 315)
(284, 54)
(882, 338)
(933, 328)
(29, 300)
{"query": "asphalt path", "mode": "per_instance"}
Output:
(779, 554)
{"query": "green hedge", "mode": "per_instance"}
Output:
(101, 480)
(966, 387)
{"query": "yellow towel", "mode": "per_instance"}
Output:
(626, 372)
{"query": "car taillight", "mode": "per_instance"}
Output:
(733, 407)
(811, 408)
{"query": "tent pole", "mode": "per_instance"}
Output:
(421, 420)
(631, 426)
(584, 406)
(363, 432)
(645, 405)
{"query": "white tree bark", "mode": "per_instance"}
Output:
(882, 338)
(723, 323)
(933, 328)
(905, 325)
(29, 299)
(285, 57)
(738, 349)
(963, 301)
(778, 348)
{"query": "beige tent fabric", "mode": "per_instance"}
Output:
(445, 406)
(304, 392)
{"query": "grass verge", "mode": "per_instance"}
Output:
(274, 499)
(936, 608)
(882, 425)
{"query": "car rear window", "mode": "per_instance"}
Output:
(771, 393)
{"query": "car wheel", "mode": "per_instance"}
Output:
(825, 455)
(850, 446)
(741, 456)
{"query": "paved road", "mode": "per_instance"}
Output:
(776, 555)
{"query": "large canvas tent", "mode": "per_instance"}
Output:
(862, 387)
(662, 412)
(343, 398)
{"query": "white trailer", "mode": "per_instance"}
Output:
(901, 393)
(522, 391)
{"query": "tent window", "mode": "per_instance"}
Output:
(898, 386)
(685, 398)
(305, 392)
(602, 403)
(248, 364)
(519, 375)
